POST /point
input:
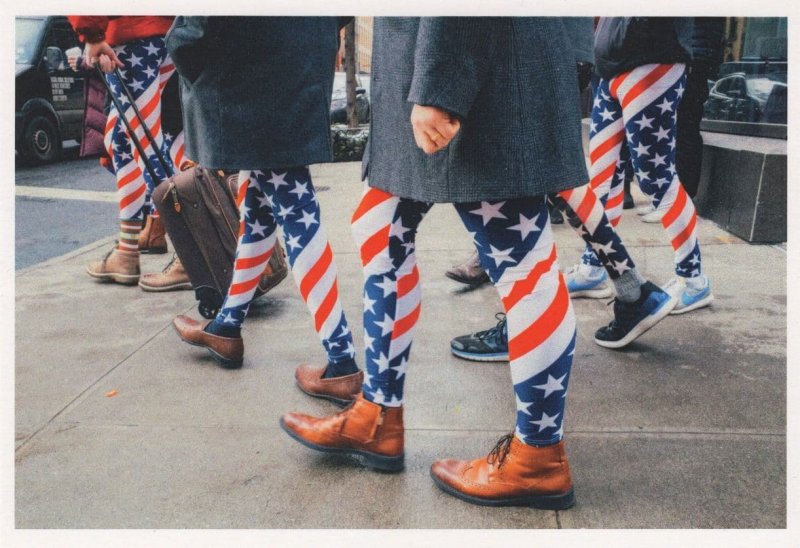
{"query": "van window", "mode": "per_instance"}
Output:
(28, 31)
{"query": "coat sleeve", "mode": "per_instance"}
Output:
(90, 28)
(452, 58)
(187, 45)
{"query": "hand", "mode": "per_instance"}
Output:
(94, 54)
(433, 127)
(106, 64)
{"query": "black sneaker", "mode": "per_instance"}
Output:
(484, 346)
(633, 319)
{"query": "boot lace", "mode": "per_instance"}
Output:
(500, 451)
(497, 335)
(171, 265)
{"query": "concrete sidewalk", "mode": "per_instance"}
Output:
(684, 428)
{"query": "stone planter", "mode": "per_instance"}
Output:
(348, 144)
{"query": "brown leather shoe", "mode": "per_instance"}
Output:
(513, 474)
(228, 351)
(370, 433)
(340, 390)
(469, 272)
(153, 237)
(275, 271)
(117, 266)
(172, 278)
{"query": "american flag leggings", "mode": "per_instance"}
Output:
(286, 197)
(146, 70)
(634, 120)
(517, 249)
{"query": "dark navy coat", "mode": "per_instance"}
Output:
(256, 91)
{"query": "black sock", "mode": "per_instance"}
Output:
(345, 367)
(223, 330)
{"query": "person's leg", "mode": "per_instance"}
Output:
(283, 197)
(385, 228)
(650, 96)
(530, 466)
(371, 430)
(606, 139)
(143, 61)
(689, 140)
(296, 209)
(639, 304)
(257, 234)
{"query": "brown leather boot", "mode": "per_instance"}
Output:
(340, 390)
(117, 266)
(275, 271)
(513, 474)
(228, 351)
(370, 433)
(469, 272)
(153, 237)
(172, 278)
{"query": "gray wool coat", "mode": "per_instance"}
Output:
(256, 91)
(513, 83)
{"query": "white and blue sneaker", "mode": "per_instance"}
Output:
(588, 281)
(631, 320)
(691, 293)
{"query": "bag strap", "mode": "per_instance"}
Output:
(137, 143)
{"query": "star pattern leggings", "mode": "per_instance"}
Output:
(516, 245)
(286, 197)
(634, 120)
(146, 70)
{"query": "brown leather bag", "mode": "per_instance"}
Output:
(198, 209)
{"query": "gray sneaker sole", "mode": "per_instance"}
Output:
(705, 301)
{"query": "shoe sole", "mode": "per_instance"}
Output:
(592, 293)
(158, 289)
(219, 358)
(542, 502)
(705, 301)
(338, 401)
(480, 357)
(467, 281)
(651, 320)
(124, 279)
(365, 458)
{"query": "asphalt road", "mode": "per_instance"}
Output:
(61, 207)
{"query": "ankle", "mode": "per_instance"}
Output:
(229, 331)
(341, 368)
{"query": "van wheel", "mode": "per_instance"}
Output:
(41, 142)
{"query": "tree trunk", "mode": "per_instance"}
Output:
(350, 71)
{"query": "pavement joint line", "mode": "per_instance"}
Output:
(24, 191)
(580, 433)
(79, 396)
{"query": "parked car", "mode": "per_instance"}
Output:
(743, 97)
(49, 94)
(339, 98)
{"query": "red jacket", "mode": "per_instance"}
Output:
(119, 29)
